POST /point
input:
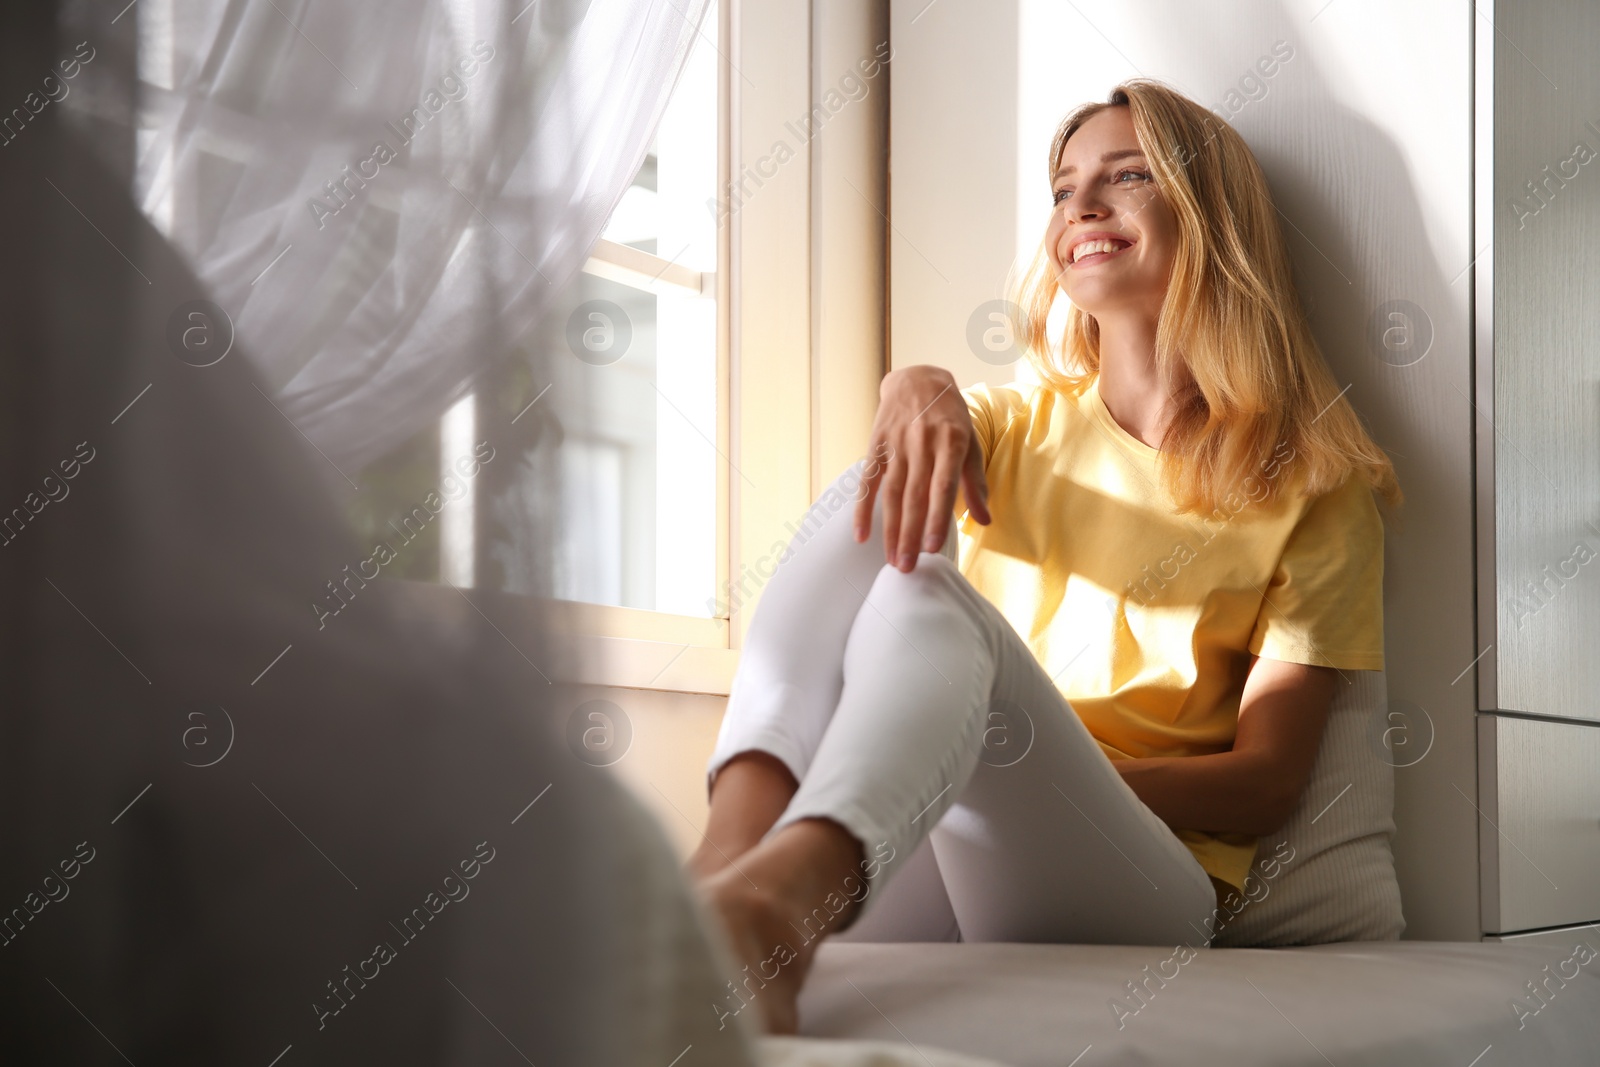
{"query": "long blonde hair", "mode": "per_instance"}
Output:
(1233, 346)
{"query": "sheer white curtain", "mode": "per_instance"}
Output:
(382, 194)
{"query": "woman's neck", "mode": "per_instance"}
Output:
(1129, 384)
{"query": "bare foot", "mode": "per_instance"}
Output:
(777, 903)
(775, 958)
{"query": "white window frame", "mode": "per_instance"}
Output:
(800, 336)
(801, 333)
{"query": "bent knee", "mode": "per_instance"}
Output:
(933, 580)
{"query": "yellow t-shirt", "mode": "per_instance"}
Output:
(1146, 619)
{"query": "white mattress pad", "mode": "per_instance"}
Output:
(1415, 1003)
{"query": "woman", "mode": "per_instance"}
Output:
(1174, 551)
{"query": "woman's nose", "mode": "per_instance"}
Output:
(1085, 208)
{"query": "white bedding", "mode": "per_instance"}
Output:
(1413, 1003)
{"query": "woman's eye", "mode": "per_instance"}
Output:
(1061, 194)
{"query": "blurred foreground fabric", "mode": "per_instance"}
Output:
(232, 834)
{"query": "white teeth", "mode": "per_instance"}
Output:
(1089, 248)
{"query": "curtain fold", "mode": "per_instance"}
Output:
(382, 196)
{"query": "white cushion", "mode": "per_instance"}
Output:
(786, 1051)
(1382, 1004)
(1328, 873)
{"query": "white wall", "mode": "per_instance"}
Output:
(1365, 139)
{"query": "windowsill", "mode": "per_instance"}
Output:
(630, 663)
(590, 644)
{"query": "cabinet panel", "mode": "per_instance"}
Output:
(1539, 835)
(1562, 939)
(1544, 413)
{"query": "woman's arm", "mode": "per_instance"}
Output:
(1254, 788)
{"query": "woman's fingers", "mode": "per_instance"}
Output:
(894, 481)
(974, 484)
(925, 436)
(870, 477)
(914, 509)
(942, 496)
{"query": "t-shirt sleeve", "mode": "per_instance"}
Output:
(1324, 604)
(993, 408)
(981, 406)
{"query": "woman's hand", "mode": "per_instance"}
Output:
(923, 425)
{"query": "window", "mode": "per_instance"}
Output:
(638, 398)
(641, 340)
(713, 365)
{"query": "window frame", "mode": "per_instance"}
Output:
(801, 313)
(802, 308)
(632, 647)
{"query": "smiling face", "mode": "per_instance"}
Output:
(1103, 185)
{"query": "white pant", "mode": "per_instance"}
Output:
(911, 712)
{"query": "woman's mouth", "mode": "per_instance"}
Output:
(1099, 254)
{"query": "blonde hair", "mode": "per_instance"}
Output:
(1233, 347)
